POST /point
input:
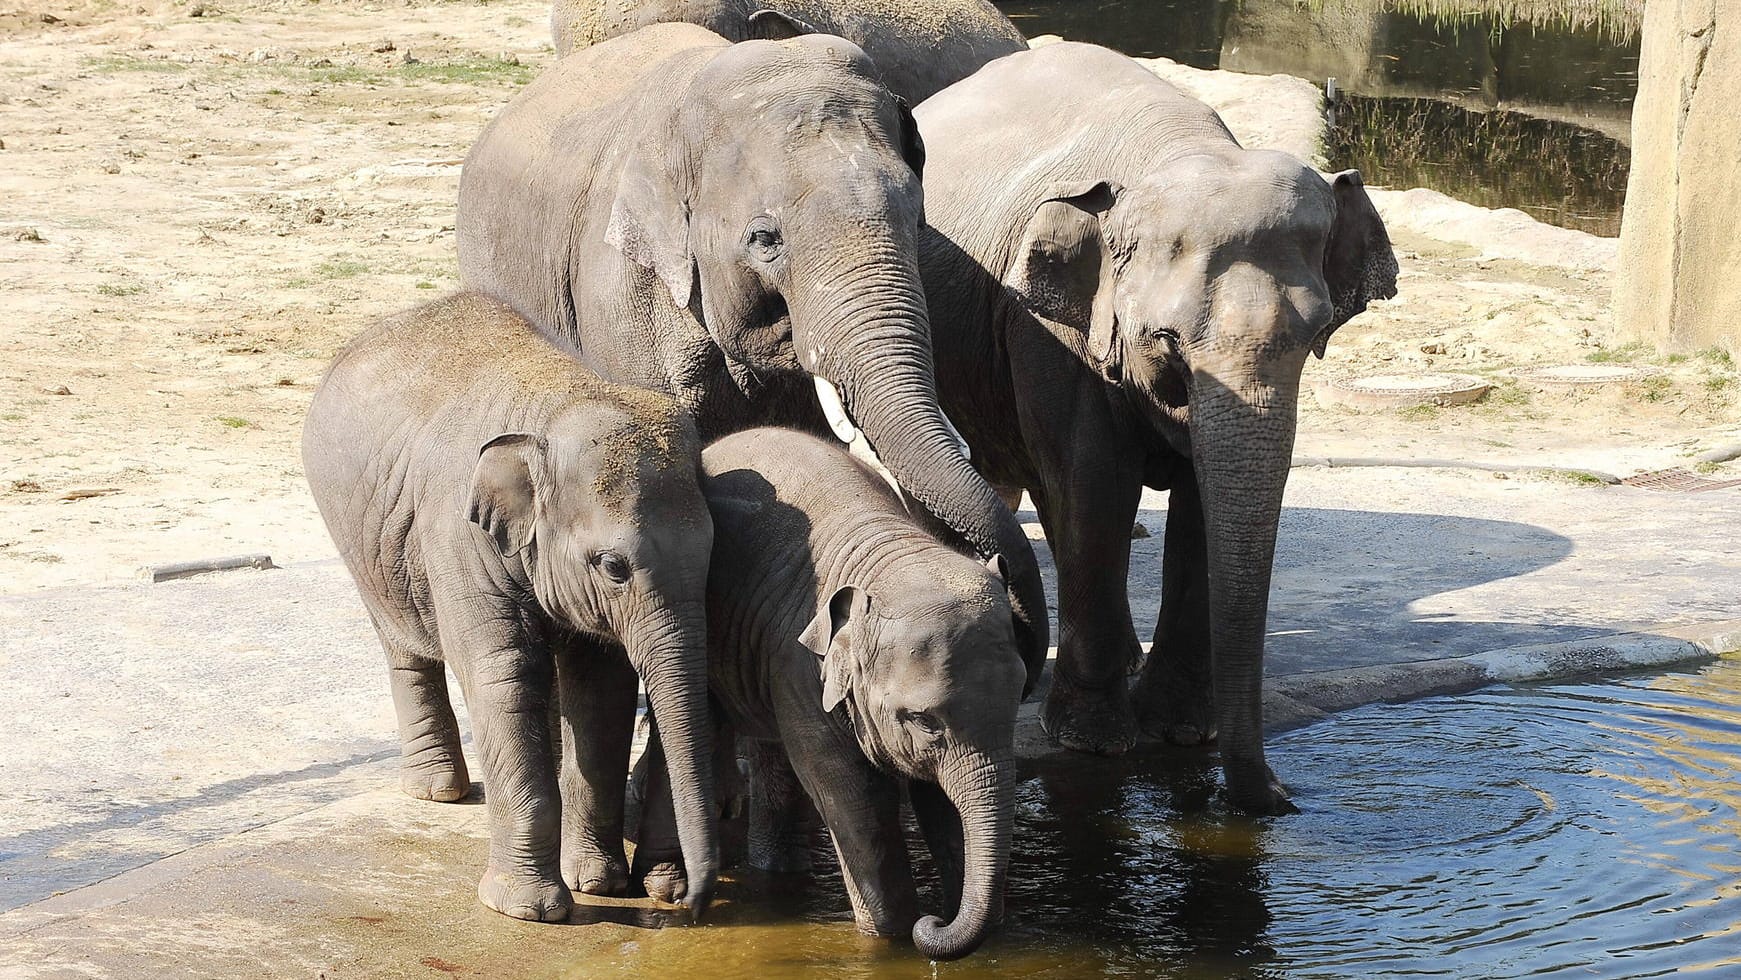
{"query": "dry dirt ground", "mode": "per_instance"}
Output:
(201, 200)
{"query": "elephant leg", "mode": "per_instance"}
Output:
(1175, 696)
(658, 851)
(507, 681)
(596, 692)
(431, 763)
(862, 808)
(941, 826)
(1088, 524)
(1011, 497)
(782, 818)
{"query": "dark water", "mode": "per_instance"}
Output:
(1589, 830)
(1496, 111)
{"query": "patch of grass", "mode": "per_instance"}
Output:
(1707, 467)
(426, 285)
(1675, 359)
(1625, 352)
(235, 422)
(111, 64)
(1717, 356)
(13, 417)
(120, 289)
(274, 91)
(1656, 387)
(1418, 413)
(461, 71)
(340, 269)
(1716, 384)
(1580, 478)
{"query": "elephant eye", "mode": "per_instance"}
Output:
(765, 244)
(924, 721)
(614, 566)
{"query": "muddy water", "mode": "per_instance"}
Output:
(1588, 830)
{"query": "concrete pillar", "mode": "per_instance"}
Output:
(1679, 283)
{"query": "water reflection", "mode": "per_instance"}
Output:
(1559, 80)
(1590, 830)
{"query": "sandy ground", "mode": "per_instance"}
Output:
(199, 201)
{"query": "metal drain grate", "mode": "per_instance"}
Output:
(1678, 480)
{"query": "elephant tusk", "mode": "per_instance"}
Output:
(954, 433)
(834, 410)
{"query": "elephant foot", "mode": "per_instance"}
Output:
(666, 881)
(596, 874)
(437, 778)
(1174, 711)
(1096, 721)
(1257, 791)
(525, 894)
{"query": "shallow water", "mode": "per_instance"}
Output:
(1489, 108)
(1589, 830)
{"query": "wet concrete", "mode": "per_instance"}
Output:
(206, 768)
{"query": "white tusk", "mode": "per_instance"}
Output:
(834, 411)
(966, 451)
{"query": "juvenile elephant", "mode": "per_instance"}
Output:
(507, 513)
(919, 46)
(736, 225)
(842, 631)
(1123, 296)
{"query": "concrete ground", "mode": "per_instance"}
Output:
(200, 775)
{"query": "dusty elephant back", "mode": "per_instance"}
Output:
(1105, 117)
(920, 46)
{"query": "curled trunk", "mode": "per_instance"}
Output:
(1242, 437)
(878, 354)
(673, 664)
(982, 789)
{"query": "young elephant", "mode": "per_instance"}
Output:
(920, 46)
(842, 631)
(575, 533)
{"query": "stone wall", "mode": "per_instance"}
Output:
(1680, 241)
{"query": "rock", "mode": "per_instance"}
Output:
(47, 18)
(1500, 233)
(198, 10)
(1680, 255)
(383, 46)
(1139, 531)
(57, 390)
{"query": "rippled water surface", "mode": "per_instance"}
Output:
(1589, 830)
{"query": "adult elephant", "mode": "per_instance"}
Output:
(736, 225)
(919, 46)
(1125, 296)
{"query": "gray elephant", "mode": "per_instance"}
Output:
(1122, 295)
(576, 534)
(919, 46)
(736, 225)
(844, 633)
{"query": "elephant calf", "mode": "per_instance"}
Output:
(842, 631)
(575, 533)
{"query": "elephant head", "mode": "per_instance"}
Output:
(1199, 291)
(780, 205)
(924, 660)
(616, 538)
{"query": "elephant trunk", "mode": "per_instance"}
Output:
(877, 352)
(982, 788)
(673, 665)
(1242, 438)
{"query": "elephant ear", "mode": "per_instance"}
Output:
(650, 217)
(829, 635)
(772, 25)
(1359, 264)
(504, 496)
(912, 144)
(1063, 267)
